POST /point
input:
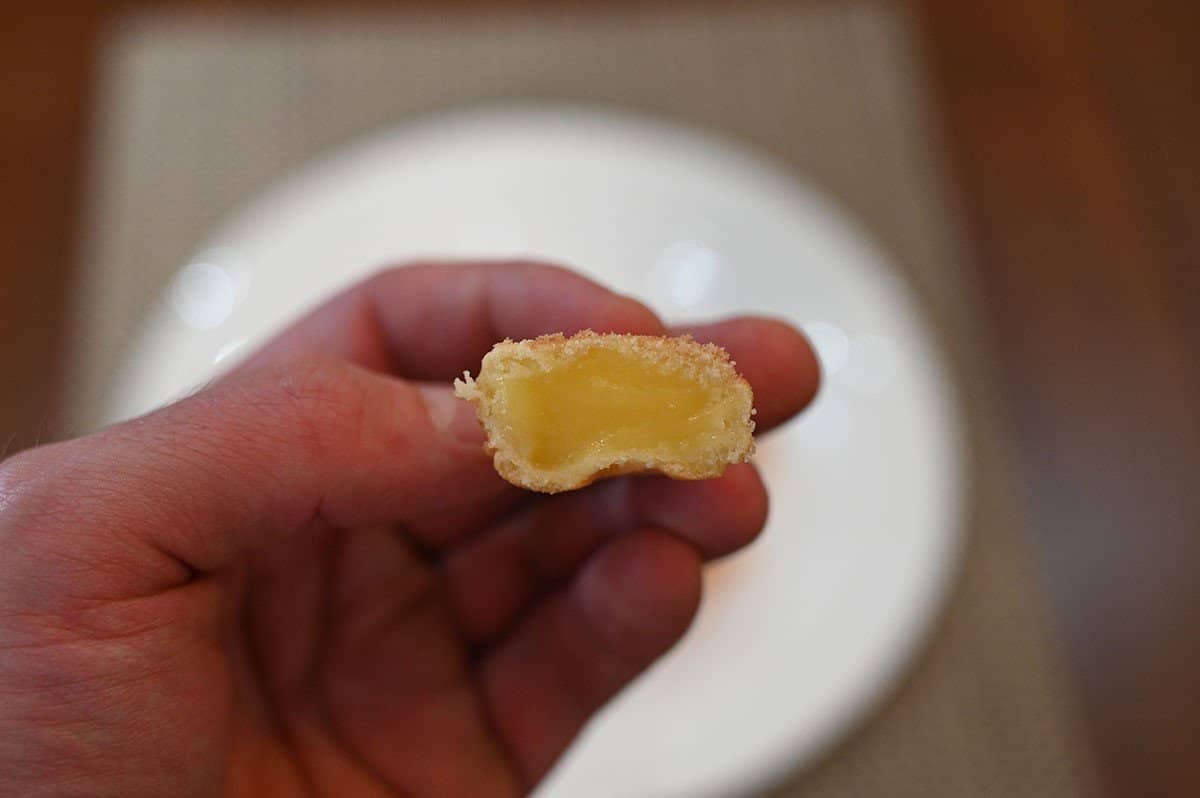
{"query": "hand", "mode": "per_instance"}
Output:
(307, 578)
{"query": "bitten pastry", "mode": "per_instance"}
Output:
(562, 412)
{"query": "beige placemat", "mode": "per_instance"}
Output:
(196, 114)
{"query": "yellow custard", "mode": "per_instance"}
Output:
(605, 401)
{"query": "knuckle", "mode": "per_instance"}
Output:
(309, 383)
(319, 397)
(22, 484)
(38, 501)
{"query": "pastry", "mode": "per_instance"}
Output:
(561, 412)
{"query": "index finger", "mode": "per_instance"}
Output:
(432, 321)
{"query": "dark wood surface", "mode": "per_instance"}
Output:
(1074, 131)
(1074, 136)
(45, 61)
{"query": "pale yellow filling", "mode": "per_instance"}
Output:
(607, 402)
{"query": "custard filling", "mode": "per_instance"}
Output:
(607, 402)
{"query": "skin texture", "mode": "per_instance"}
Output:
(308, 579)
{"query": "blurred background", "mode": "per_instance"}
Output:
(1031, 164)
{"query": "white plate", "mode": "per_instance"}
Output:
(800, 635)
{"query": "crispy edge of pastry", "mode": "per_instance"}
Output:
(707, 363)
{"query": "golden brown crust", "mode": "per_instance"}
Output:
(709, 364)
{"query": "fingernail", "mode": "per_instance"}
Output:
(451, 416)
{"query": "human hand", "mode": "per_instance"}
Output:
(307, 577)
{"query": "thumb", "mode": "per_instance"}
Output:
(239, 465)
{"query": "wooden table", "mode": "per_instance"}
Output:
(1073, 131)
